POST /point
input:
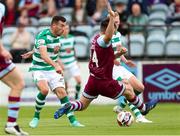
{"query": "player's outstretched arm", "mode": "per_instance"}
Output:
(110, 29)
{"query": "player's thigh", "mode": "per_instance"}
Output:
(112, 89)
(57, 84)
(136, 84)
(85, 102)
(14, 79)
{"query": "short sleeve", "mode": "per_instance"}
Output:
(102, 43)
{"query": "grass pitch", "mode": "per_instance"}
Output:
(99, 120)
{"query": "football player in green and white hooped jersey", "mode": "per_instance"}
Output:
(47, 73)
(68, 60)
(121, 73)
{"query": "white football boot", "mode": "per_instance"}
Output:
(142, 119)
(15, 130)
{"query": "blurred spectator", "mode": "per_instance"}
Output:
(152, 2)
(79, 16)
(11, 13)
(100, 12)
(174, 12)
(24, 19)
(21, 43)
(137, 18)
(120, 7)
(90, 7)
(47, 8)
(32, 6)
(64, 3)
(142, 3)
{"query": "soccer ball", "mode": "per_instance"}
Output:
(125, 118)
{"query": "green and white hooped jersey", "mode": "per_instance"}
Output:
(116, 40)
(45, 38)
(67, 54)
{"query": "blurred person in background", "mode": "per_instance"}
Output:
(120, 7)
(64, 4)
(68, 60)
(23, 18)
(12, 77)
(137, 18)
(32, 6)
(174, 12)
(99, 14)
(79, 15)
(21, 42)
(11, 13)
(153, 2)
(142, 3)
(47, 8)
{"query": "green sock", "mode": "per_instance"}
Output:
(69, 114)
(134, 110)
(40, 101)
(78, 88)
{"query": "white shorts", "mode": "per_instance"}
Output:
(71, 72)
(120, 71)
(52, 77)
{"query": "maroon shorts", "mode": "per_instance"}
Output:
(5, 66)
(109, 88)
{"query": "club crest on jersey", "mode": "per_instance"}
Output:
(68, 50)
(56, 49)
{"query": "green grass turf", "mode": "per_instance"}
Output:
(99, 120)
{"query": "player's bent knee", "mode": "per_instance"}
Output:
(45, 91)
(20, 86)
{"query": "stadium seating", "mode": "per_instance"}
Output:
(155, 45)
(45, 21)
(9, 30)
(175, 28)
(137, 44)
(67, 13)
(173, 45)
(157, 27)
(159, 8)
(6, 41)
(86, 29)
(157, 16)
(82, 46)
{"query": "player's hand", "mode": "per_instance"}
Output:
(122, 51)
(58, 69)
(27, 55)
(130, 63)
(111, 12)
(6, 54)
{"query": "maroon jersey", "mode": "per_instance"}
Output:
(101, 60)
